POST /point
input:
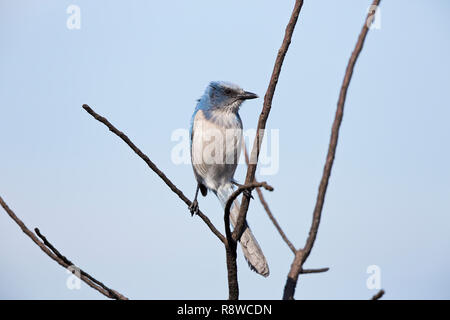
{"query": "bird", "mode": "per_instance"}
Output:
(215, 145)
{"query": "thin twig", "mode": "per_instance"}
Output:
(306, 271)
(230, 247)
(267, 209)
(267, 105)
(152, 166)
(303, 254)
(60, 259)
(113, 293)
(274, 221)
(233, 197)
(378, 295)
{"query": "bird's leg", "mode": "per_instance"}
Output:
(194, 205)
(246, 192)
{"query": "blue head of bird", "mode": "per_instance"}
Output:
(224, 96)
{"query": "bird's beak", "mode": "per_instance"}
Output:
(248, 95)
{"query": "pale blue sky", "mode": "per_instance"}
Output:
(143, 64)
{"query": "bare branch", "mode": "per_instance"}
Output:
(233, 197)
(233, 285)
(60, 259)
(267, 209)
(378, 295)
(267, 105)
(305, 271)
(303, 254)
(113, 293)
(231, 238)
(230, 247)
(152, 166)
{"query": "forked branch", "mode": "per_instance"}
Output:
(54, 254)
(231, 246)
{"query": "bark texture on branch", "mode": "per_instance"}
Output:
(267, 105)
(54, 254)
(302, 254)
(155, 169)
(231, 246)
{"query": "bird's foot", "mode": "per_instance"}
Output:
(248, 193)
(193, 208)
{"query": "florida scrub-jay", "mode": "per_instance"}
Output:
(216, 137)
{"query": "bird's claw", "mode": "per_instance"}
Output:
(248, 193)
(193, 208)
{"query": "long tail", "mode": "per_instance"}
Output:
(250, 247)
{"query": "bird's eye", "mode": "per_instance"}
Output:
(228, 91)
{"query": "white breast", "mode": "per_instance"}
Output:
(216, 147)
